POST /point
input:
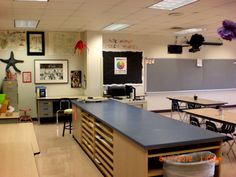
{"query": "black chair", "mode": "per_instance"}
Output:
(175, 107)
(193, 106)
(194, 121)
(225, 128)
(65, 112)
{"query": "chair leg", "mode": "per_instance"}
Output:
(70, 127)
(64, 127)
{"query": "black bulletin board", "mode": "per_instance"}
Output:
(183, 74)
(134, 68)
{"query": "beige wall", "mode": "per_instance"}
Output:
(59, 45)
(156, 47)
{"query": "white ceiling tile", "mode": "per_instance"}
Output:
(75, 15)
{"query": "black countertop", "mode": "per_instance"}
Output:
(148, 129)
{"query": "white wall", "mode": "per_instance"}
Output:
(59, 45)
(156, 47)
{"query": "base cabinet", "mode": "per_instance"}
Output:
(115, 155)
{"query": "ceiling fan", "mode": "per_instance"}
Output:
(198, 40)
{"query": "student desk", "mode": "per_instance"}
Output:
(189, 101)
(200, 101)
(48, 106)
(123, 140)
(18, 145)
(214, 115)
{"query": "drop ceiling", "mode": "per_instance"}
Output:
(94, 15)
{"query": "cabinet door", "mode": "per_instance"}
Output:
(76, 122)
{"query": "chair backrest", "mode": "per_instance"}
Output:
(211, 126)
(175, 105)
(193, 106)
(227, 128)
(194, 121)
(65, 103)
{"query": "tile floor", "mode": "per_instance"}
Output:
(63, 157)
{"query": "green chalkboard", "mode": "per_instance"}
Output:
(183, 74)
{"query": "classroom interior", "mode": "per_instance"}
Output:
(72, 34)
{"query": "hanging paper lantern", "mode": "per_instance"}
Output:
(228, 30)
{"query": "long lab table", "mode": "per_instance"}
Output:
(123, 140)
(214, 115)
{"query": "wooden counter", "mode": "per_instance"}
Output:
(19, 133)
(17, 160)
(123, 140)
(18, 145)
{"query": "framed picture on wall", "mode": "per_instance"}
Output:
(75, 79)
(26, 77)
(51, 71)
(35, 43)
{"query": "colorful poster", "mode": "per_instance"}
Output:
(120, 65)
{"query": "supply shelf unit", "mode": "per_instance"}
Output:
(97, 141)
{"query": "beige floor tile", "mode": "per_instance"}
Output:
(61, 156)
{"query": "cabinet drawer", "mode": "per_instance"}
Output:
(45, 109)
(45, 103)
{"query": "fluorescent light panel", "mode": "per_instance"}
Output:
(188, 31)
(26, 23)
(116, 27)
(171, 4)
(33, 0)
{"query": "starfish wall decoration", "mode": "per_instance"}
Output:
(12, 62)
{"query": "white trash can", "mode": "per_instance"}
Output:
(199, 164)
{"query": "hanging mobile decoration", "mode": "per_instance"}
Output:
(80, 45)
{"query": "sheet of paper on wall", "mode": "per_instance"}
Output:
(120, 65)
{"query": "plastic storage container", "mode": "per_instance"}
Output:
(199, 164)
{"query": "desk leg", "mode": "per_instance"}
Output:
(171, 109)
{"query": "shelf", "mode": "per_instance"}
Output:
(89, 131)
(105, 129)
(103, 164)
(88, 139)
(104, 153)
(87, 148)
(155, 172)
(106, 137)
(182, 151)
(104, 143)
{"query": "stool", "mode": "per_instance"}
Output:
(25, 116)
(67, 121)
